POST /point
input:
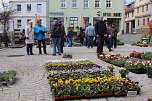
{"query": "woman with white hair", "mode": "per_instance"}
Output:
(29, 34)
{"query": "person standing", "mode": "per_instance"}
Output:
(70, 37)
(90, 34)
(109, 39)
(29, 34)
(56, 37)
(114, 36)
(100, 30)
(62, 35)
(81, 35)
(40, 36)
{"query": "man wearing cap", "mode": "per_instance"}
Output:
(40, 31)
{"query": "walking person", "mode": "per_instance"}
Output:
(114, 36)
(62, 35)
(29, 34)
(100, 30)
(70, 37)
(40, 36)
(56, 37)
(109, 38)
(90, 34)
(81, 36)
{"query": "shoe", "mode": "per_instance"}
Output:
(54, 54)
(28, 54)
(45, 53)
(59, 54)
(31, 54)
(110, 50)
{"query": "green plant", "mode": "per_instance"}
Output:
(111, 68)
(123, 72)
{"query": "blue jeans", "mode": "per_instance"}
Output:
(56, 44)
(69, 42)
(90, 41)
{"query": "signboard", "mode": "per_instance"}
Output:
(57, 13)
(131, 93)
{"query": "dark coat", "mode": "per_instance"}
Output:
(56, 31)
(100, 28)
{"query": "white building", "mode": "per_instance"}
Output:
(26, 10)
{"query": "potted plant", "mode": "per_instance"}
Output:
(149, 72)
(123, 73)
(111, 68)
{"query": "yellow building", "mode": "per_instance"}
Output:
(142, 15)
(130, 18)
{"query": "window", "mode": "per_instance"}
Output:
(97, 2)
(147, 20)
(28, 7)
(86, 3)
(18, 7)
(39, 7)
(142, 8)
(138, 23)
(143, 21)
(132, 14)
(74, 3)
(138, 10)
(19, 23)
(108, 3)
(63, 3)
(147, 7)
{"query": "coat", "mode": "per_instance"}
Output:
(56, 31)
(100, 28)
(39, 35)
(29, 32)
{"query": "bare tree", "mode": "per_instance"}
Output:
(6, 13)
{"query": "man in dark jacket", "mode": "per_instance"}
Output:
(101, 30)
(62, 35)
(56, 38)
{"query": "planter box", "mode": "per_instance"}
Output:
(138, 71)
(67, 97)
(99, 95)
(120, 93)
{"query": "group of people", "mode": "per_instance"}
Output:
(107, 35)
(101, 32)
(39, 33)
(35, 33)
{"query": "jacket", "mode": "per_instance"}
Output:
(38, 34)
(90, 31)
(114, 32)
(29, 32)
(56, 31)
(100, 28)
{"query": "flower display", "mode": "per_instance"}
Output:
(94, 83)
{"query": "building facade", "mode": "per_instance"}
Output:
(79, 13)
(142, 15)
(26, 10)
(130, 18)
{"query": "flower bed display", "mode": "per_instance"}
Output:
(141, 55)
(84, 79)
(134, 65)
(7, 77)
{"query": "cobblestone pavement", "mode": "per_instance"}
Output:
(32, 83)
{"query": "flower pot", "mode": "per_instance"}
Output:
(123, 75)
(149, 75)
